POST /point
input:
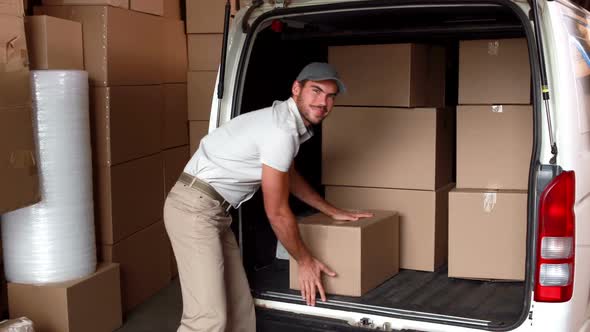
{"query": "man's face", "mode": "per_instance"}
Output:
(314, 99)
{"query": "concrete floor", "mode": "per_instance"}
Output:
(161, 313)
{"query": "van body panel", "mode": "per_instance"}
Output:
(571, 111)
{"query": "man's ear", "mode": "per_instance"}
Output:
(296, 88)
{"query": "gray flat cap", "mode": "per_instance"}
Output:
(320, 71)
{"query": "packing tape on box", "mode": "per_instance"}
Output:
(53, 240)
(489, 202)
(494, 47)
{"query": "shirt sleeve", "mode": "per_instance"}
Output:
(278, 150)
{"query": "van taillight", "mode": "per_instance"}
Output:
(554, 280)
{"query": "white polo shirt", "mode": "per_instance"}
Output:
(230, 158)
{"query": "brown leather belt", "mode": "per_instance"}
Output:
(205, 188)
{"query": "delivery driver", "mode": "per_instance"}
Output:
(250, 151)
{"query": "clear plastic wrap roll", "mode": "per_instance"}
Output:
(53, 240)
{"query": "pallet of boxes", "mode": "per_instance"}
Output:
(488, 209)
(385, 146)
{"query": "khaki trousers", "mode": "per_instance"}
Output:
(215, 291)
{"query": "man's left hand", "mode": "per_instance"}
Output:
(350, 215)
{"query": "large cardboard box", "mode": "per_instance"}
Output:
(494, 146)
(205, 16)
(204, 51)
(121, 47)
(18, 165)
(14, 63)
(175, 116)
(12, 7)
(387, 147)
(128, 197)
(89, 304)
(54, 43)
(155, 7)
(145, 263)
(126, 122)
(198, 130)
(422, 217)
(395, 75)
(487, 234)
(175, 52)
(114, 3)
(363, 253)
(172, 9)
(494, 72)
(174, 162)
(201, 85)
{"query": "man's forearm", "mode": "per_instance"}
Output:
(302, 190)
(286, 230)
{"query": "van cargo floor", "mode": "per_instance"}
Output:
(500, 303)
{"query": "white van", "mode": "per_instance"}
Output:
(269, 42)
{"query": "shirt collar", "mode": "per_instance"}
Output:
(301, 128)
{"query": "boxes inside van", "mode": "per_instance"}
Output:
(438, 125)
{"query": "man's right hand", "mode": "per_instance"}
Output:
(310, 279)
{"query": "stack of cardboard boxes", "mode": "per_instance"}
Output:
(18, 174)
(487, 211)
(94, 300)
(387, 145)
(204, 26)
(131, 53)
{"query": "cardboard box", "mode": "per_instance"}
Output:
(204, 51)
(408, 75)
(121, 47)
(155, 7)
(145, 264)
(114, 3)
(12, 7)
(197, 130)
(90, 304)
(487, 234)
(174, 162)
(422, 217)
(175, 52)
(175, 116)
(126, 122)
(128, 197)
(18, 168)
(172, 9)
(201, 85)
(494, 146)
(205, 16)
(387, 147)
(363, 253)
(54, 43)
(14, 63)
(494, 72)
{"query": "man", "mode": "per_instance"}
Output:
(250, 151)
